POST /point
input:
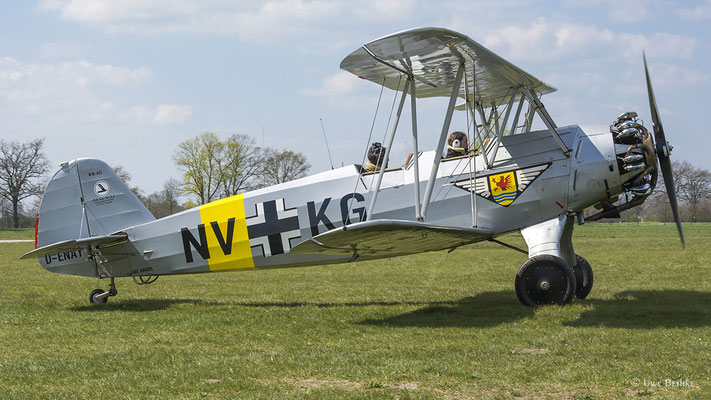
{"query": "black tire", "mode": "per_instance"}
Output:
(94, 293)
(583, 277)
(545, 279)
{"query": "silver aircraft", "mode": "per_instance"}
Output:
(511, 178)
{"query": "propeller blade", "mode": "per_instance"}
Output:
(659, 138)
(666, 168)
(662, 149)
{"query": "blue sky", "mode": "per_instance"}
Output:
(127, 80)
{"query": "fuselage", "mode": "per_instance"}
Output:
(530, 181)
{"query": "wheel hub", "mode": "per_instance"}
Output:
(545, 283)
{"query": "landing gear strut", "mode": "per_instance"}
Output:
(554, 274)
(100, 296)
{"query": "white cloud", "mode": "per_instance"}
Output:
(171, 114)
(73, 92)
(284, 19)
(629, 11)
(20, 81)
(257, 21)
(590, 82)
(657, 45)
(544, 40)
(699, 13)
(343, 90)
(384, 10)
(339, 84)
(673, 75)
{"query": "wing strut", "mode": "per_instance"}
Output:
(547, 120)
(500, 128)
(415, 149)
(517, 115)
(442, 138)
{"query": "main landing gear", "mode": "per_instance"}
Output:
(101, 296)
(546, 279)
(554, 274)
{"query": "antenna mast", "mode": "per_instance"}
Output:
(326, 140)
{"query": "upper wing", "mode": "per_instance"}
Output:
(388, 238)
(432, 56)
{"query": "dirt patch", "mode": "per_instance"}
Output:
(350, 385)
(530, 351)
(329, 383)
(404, 386)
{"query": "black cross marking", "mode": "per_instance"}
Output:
(272, 227)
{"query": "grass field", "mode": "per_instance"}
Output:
(17, 234)
(435, 325)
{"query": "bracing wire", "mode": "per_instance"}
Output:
(385, 134)
(435, 207)
(367, 144)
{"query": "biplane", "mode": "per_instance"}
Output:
(511, 178)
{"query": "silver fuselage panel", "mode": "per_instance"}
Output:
(531, 181)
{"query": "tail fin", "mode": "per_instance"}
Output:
(86, 198)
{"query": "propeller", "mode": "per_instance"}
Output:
(663, 150)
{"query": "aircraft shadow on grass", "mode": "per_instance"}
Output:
(641, 309)
(138, 305)
(634, 309)
(483, 310)
(648, 309)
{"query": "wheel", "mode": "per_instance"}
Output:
(94, 293)
(545, 279)
(583, 277)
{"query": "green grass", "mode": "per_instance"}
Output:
(435, 325)
(21, 233)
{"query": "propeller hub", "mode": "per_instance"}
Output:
(664, 149)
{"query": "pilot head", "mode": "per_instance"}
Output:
(458, 140)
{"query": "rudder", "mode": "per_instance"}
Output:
(86, 198)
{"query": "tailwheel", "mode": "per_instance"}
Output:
(100, 296)
(545, 279)
(583, 277)
(94, 296)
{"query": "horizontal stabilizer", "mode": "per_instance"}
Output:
(388, 238)
(75, 244)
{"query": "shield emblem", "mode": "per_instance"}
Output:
(503, 188)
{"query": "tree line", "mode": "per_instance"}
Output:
(211, 169)
(693, 191)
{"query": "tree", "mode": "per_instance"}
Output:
(283, 166)
(694, 185)
(243, 162)
(125, 177)
(22, 165)
(165, 202)
(200, 158)
(213, 169)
